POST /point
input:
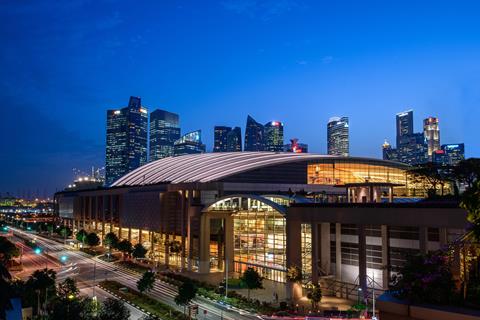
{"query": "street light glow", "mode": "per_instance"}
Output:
(38, 250)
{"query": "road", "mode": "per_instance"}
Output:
(89, 271)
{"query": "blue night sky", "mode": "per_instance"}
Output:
(64, 63)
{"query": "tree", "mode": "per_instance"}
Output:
(42, 282)
(5, 295)
(78, 308)
(430, 176)
(64, 231)
(186, 293)
(67, 289)
(81, 236)
(467, 171)
(125, 247)
(113, 309)
(110, 240)
(146, 282)
(7, 251)
(92, 239)
(425, 278)
(139, 251)
(294, 274)
(315, 296)
(252, 280)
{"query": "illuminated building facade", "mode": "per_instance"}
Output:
(227, 139)
(404, 122)
(254, 135)
(164, 131)
(126, 147)
(269, 211)
(234, 140)
(295, 146)
(189, 143)
(220, 138)
(449, 154)
(431, 132)
(273, 136)
(338, 136)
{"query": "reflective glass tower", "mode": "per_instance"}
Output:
(126, 147)
(189, 143)
(234, 140)
(431, 132)
(404, 126)
(338, 136)
(164, 131)
(254, 135)
(220, 134)
(273, 136)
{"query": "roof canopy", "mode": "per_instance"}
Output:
(206, 167)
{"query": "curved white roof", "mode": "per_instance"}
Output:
(207, 167)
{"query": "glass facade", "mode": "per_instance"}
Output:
(274, 136)
(189, 143)
(340, 172)
(164, 131)
(259, 236)
(254, 135)
(220, 138)
(126, 147)
(306, 247)
(338, 136)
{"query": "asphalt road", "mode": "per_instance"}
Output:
(89, 271)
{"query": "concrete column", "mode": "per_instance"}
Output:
(316, 251)
(294, 256)
(443, 236)
(362, 259)
(204, 263)
(140, 240)
(338, 256)
(385, 258)
(423, 235)
(229, 242)
(167, 250)
(183, 229)
(325, 247)
(129, 234)
(390, 194)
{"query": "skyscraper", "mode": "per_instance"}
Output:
(337, 136)
(220, 134)
(449, 154)
(164, 131)
(404, 125)
(431, 132)
(234, 140)
(126, 147)
(189, 143)
(254, 135)
(273, 136)
(413, 149)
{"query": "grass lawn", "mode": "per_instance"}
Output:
(148, 304)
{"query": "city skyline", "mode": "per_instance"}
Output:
(60, 81)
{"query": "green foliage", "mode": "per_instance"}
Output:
(81, 236)
(125, 246)
(79, 309)
(92, 239)
(7, 251)
(113, 309)
(467, 171)
(294, 274)
(425, 279)
(175, 247)
(251, 279)
(186, 293)
(139, 251)
(111, 240)
(64, 231)
(67, 289)
(146, 282)
(315, 296)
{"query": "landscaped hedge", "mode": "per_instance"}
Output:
(143, 301)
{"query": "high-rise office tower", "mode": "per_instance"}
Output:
(337, 136)
(220, 134)
(273, 136)
(189, 143)
(164, 131)
(254, 135)
(126, 147)
(234, 140)
(413, 149)
(449, 154)
(404, 126)
(431, 132)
